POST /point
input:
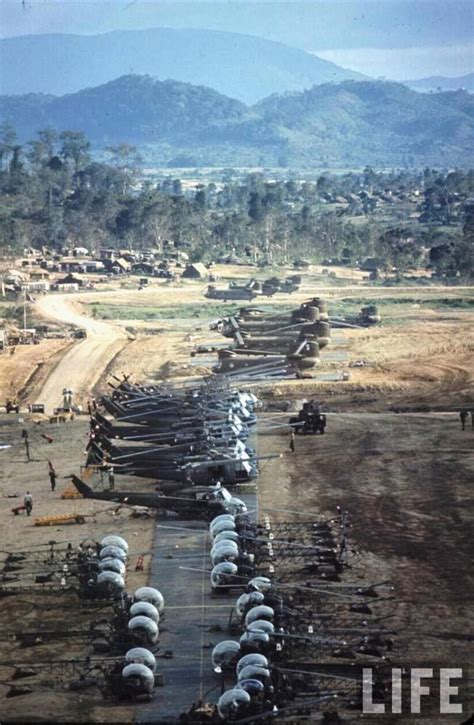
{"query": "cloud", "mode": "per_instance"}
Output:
(405, 63)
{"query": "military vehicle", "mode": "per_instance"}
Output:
(243, 292)
(309, 419)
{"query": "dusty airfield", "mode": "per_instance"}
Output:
(32, 612)
(393, 455)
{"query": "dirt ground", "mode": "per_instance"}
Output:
(28, 366)
(406, 481)
(434, 338)
(32, 611)
(393, 455)
(424, 363)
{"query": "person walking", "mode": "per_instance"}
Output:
(52, 475)
(292, 440)
(463, 416)
(28, 502)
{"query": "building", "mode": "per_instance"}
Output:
(195, 271)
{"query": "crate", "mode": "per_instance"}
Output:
(71, 492)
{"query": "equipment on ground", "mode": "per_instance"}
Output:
(309, 420)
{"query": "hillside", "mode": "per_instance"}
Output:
(349, 124)
(381, 121)
(435, 83)
(240, 66)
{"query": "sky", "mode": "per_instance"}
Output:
(397, 39)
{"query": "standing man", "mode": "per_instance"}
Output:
(111, 479)
(292, 440)
(463, 416)
(28, 501)
(472, 419)
(52, 475)
(24, 435)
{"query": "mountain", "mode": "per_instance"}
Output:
(436, 83)
(240, 66)
(345, 124)
(385, 123)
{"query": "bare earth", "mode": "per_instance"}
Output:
(393, 455)
(28, 611)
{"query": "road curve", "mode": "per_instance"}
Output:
(83, 364)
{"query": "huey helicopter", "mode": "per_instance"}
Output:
(194, 502)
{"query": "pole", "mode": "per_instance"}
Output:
(24, 312)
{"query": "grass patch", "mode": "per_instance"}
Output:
(164, 312)
(395, 309)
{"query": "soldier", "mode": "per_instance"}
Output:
(292, 440)
(111, 479)
(52, 475)
(463, 416)
(24, 435)
(28, 501)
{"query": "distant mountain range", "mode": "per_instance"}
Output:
(346, 124)
(241, 66)
(441, 83)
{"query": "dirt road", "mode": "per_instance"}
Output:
(82, 365)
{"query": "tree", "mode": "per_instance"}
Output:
(74, 149)
(126, 159)
(399, 247)
(255, 210)
(7, 144)
(200, 197)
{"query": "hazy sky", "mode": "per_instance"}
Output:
(398, 39)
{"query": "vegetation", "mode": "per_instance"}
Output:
(53, 193)
(351, 123)
(163, 312)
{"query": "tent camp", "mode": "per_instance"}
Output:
(195, 271)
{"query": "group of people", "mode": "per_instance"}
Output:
(464, 415)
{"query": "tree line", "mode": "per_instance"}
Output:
(55, 193)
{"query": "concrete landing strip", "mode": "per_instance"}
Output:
(195, 618)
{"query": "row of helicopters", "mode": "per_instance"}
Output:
(272, 344)
(253, 288)
(88, 578)
(300, 631)
(193, 441)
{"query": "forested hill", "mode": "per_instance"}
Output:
(240, 66)
(136, 109)
(376, 120)
(349, 123)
